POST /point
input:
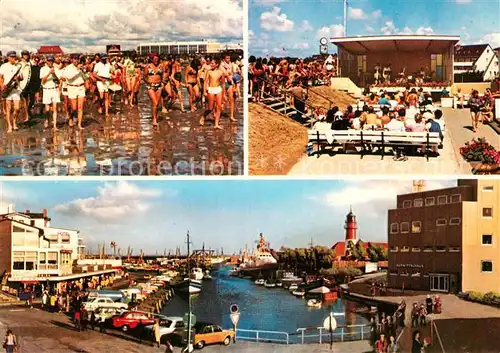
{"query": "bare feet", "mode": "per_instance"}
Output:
(202, 121)
(80, 127)
(99, 110)
(9, 130)
(163, 110)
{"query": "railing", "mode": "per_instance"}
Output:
(263, 336)
(361, 332)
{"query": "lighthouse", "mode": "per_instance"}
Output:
(351, 227)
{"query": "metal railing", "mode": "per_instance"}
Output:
(263, 336)
(347, 333)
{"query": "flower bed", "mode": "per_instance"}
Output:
(482, 156)
(490, 298)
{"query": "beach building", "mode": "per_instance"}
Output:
(476, 58)
(446, 240)
(32, 251)
(407, 54)
(50, 50)
(187, 48)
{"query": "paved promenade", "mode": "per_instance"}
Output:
(39, 331)
(449, 162)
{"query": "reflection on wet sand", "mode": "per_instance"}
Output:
(126, 143)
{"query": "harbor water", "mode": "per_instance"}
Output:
(264, 309)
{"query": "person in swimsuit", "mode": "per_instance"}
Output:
(153, 75)
(192, 82)
(176, 82)
(130, 78)
(227, 69)
(205, 67)
(214, 90)
(65, 100)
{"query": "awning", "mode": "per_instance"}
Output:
(30, 282)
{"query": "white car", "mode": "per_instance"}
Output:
(168, 325)
(107, 313)
(103, 302)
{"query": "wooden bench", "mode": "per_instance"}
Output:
(381, 139)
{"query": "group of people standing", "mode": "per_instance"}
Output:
(69, 84)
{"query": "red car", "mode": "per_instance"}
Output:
(130, 320)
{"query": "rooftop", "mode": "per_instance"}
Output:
(467, 51)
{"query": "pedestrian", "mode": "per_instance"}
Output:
(53, 300)
(10, 343)
(84, 319)
(393, 346)
(373, 332)
(156, 333)
(77, 320)
(415, 313)
(140, 331)
(102, 324)
(45, 299)
(417, 346)
(381, 344)
(92, 320)
(429, 304)
(422, 315)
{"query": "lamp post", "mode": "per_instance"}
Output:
(188, 242)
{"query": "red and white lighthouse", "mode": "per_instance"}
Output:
(351, 228)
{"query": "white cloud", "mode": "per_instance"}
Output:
(389, 28)
(301, 46)
(306, 26)
(356, 14)
(406, 30)
(114, 201)
(275, 21)
(492, 39)
(334, 31)
(265, 3)
(373, 198)
(83, 26)
(424, 31)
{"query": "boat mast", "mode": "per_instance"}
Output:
(188, 242)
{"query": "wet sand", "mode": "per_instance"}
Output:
(126, 144)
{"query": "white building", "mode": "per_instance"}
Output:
(479, 58)
(186, 48)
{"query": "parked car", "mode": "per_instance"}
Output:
(211, 334)
(168, 326)
(131, 319)
(107, 313)
(103, 302)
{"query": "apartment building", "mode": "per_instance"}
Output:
(446, 240)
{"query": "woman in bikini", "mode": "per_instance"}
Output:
(153, 75)
(176, 83)
(191, 77)
(214, 89)
(130, 76)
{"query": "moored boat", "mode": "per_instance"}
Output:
(260, 282)
(299, 292)
(270, 284)
(293, 287)
(314, 303)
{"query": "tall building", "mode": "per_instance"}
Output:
(447, 240)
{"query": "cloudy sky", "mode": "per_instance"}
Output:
(89, 25)
(294, 27)
(154, 215)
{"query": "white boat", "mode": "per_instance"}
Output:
(299, 292)
(261, 256)
(235, 271)
(279, 284)
(197, 273)
(293, 287)
(260, 282)
(269, 284)
(207, 275)
(314, 303)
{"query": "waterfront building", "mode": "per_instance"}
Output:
(446, 240)
(31, 251)
(480, 58)
(187, 48)
(341, 248)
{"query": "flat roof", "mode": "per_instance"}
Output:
(368, 44)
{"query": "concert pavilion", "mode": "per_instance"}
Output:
(406, 54)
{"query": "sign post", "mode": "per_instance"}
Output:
(235, 317)
(323, 46)
(330, 325)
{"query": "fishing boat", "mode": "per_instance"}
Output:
(235, 271)
(314, 303)
(260, 282)
(270, 284)
(293, 287)
(299, 292)
(261, 257)
(197, 273)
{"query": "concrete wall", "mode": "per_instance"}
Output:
(474, 226)
(467, 87)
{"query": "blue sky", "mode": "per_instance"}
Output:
(154, 215)
(294, 27)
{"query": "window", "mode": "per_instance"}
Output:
(394, 249)
(193, 49)
(487, 239)
(488, 188)
(155, 48)
(405, 249)
(428, 248)
(440, 248)
(31, 260)
(32, 223)
(455, 221)
(441, 222)
(415, 249)
(486, 266)
(416, 227)
(183, 49)
(442, 200)
(454, 249)
(394, 228)
(18, 260)
(405, 227)
(487, 212)
(407, 204)
(17, 229)
(418, 203)
(429, 201)
(456, 198)
(65, 238)
(202, 48)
